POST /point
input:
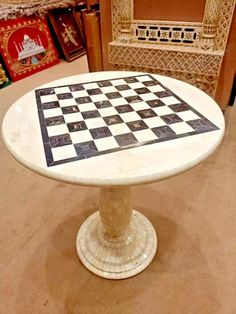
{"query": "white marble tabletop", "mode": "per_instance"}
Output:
(137, 164)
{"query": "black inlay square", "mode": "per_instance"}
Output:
(60, 140)
(142, 90)
(100, 132)
(86, 149)
(146, 113)
(104, 84)
(64, 96)
(179, 107)
(149, 83)
(50, 105)
(76, 87)
(122, 87)
(155, 103)
(130, 80)
(113, 95)
(202, 125)
(164, 132)
(133, 99)
(171, 118)
(126, 139)
(94, 91)
(55, 120)
(115, 119)
(163, 94)
(47, 91)
(103, 104)
(137, 125)
(90, 114)
(70, 109)
(83, 100)
(124, 108)
(76, 126)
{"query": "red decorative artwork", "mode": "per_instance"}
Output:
(26, 46)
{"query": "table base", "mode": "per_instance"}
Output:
(116, 257)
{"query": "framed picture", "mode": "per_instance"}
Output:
(68, 33)
(26, 46)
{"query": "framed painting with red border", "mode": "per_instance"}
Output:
(26, 46)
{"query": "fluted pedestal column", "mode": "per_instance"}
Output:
(116, 242)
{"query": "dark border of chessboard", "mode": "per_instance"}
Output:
(45, 137)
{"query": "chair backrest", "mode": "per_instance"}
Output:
(190, 51)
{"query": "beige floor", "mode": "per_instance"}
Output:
(193, 213)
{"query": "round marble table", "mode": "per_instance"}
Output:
(113, 130)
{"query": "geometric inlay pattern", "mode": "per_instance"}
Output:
(91, 119)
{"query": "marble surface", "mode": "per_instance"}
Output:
(138, 165)
(117, 242)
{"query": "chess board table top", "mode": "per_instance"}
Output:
(41, 131)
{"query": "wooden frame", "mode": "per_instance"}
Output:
(68, 33)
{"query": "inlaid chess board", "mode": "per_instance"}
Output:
(85, 120)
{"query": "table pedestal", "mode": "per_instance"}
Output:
(116, 242)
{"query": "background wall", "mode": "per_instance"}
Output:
(169, 10)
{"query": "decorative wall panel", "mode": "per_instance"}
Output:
(189, 51)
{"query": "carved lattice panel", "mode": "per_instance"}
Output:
(161, 59)
(192, 52)
(223, 27)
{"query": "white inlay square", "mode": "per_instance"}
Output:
(106, 143)
(118, 101)
(99, 97)
(73, 117)
(81, 136)
(48, 98)
(67, 102)
(80, 93)
(156, 88)
(52, 112)
(63, 152)
(62, 90)
(57, 129)
(90, 85)
(162, 110)
(154, 122)
(108, 89)
(120, 128)
(95, 123)
(128, 92)
(181, 127)
(170, 100)
(136, 85)
(118, 82)
(188, 115)
(109, 111)
(144, 78)
(145, 135)
(130, 116)
(87, 107)
(141, 105)
(148, 96)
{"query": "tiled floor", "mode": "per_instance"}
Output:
(194, 215)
